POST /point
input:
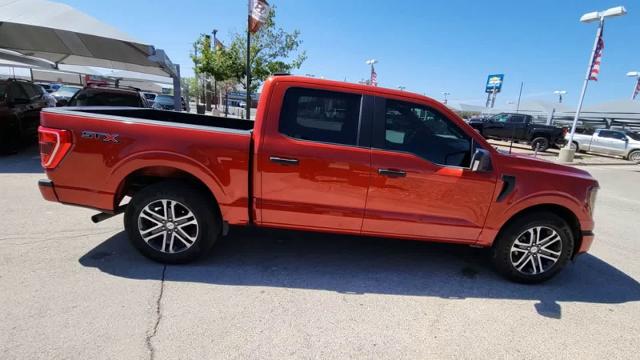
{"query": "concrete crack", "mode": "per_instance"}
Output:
(152, 333)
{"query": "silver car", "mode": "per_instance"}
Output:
(610, 142)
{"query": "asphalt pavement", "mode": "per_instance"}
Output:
(71, 289)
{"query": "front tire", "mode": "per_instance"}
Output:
(634, 156)
(540, 143)
(171, 223)
(533, 248)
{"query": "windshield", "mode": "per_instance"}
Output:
(106, 98)
(633, 135)
(164, 99)
(67, 91)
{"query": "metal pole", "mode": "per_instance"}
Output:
(584, 86)
(195, 72)
(248, 104)
(493, 97)
(177, 102)
(633, 94)
(519, 96)
(215, 81)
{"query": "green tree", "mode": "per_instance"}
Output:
(272, 50)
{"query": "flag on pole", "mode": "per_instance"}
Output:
(597, 57)
(635, 93)
(374, 76)
(258, 12)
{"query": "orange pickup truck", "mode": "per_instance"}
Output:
(321, 156)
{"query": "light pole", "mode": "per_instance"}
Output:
(560, 93)
(401, 87)
(371, 77)
(636, 87)
(566, 153)
(445, 94)
(215, 81)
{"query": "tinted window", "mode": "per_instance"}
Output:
(105, 98)
(164, 99)
(33, 91)
(320, 116)
(612, 134)
(500, 118)
(517, 119)
(15, 92)
(423, 131)
(634, 136)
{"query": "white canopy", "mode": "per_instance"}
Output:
(59, 34)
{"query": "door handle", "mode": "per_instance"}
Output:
(284, 161)
(392, 173)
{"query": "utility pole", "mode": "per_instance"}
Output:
(195, 70)
(248, 104)
(445, 94)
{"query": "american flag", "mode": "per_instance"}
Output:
(597, 57)
(635, 93)
(374, 77)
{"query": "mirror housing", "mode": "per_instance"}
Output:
(481, 161)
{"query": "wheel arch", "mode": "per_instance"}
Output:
(559, 210)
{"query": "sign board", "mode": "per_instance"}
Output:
(494, 83)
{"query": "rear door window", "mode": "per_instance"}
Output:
(323, 116)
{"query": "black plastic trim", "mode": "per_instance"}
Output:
(507, 187)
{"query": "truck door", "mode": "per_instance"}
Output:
(313, 165)
(612, 142)
(515, 127)
(495, 126)
(421, 182)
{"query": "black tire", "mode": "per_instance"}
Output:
(186, 200)
(503, 257)
(575, 146)
(634, 156)
(541, 143)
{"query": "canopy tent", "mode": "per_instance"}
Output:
(46, 34)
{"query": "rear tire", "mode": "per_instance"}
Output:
(533, 248)
(172, 223)
(575, 147)
(541, 143)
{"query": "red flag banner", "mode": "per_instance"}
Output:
(635, 93)
(258, 12)
(597, 57)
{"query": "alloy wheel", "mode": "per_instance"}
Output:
(536, 250)
(168, 226)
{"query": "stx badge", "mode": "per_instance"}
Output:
(100, 136)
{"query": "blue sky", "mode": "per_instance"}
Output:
(427, 46)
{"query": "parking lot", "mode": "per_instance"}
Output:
(70, 288)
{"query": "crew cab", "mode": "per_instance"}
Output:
(321, 156)
(611, 142)
(520, 128)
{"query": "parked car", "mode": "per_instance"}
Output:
(64, 93)
(384, 163)
(108, 96)
(50, 87)
(151, 97)
(520, 128)
(20, 105)
(165, 102)
(611, 142)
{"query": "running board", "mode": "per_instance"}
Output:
(99, 217)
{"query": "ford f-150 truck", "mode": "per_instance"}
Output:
(610, 142)
(521, 128)
(321, 156)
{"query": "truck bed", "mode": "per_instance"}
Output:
(161, 116)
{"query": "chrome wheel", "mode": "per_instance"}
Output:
(536, 250)
(635, 156)
(168, 226)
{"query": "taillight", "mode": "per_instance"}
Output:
(54, 145)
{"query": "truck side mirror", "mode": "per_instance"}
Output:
(481, 161)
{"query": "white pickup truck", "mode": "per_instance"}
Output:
(611, 142)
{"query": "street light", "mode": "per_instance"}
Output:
(566, 153)
(401, 87)
(636, 87)
(560, 93)
(445, 94)
(215, 81)
(371, 62)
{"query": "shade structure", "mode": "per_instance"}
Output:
(59, 34)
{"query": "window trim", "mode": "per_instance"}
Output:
(379, 130)
(365, 119)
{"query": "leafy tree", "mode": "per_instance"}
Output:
(272, 50)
